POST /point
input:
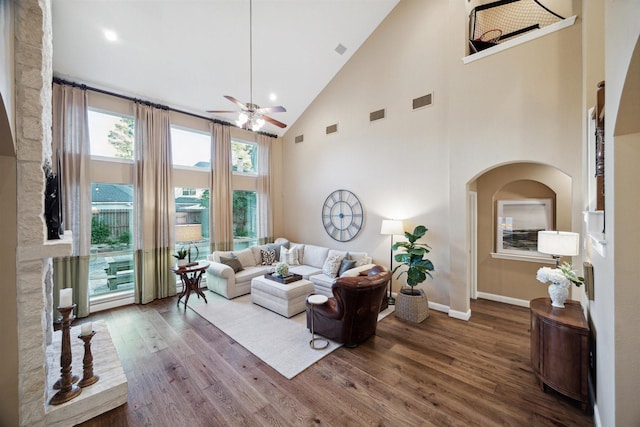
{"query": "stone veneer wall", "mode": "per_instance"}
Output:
(33, 74)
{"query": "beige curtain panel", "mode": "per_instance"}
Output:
(265, 189)
(71, 137)
(154, 205)
(221, 200)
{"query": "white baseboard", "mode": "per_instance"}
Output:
(460, 314)
(439, 307)
(506, 300)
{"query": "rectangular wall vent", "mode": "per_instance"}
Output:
(377, 115)
(299, 138)
(423, 101)
(332, 129)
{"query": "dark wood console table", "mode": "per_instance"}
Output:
(560, 348)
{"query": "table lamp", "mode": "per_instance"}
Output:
(558, 244)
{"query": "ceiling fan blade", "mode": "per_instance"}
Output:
(221, 111)
(235, 101)
(274, 122)
(278, 109)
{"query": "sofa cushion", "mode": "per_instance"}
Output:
(305, 271)
(361, 258)
(246, 257)
(300, 247)
(332, 265)
(268, 256)
(217, 254)
(251, 272)
(289, 256)
(257, 254)
(315, 256)
(232, 262)
(346, 264)
(341, 254)
(276, 247)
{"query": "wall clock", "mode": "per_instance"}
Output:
(342, 215)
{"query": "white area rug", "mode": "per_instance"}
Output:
(280, 342)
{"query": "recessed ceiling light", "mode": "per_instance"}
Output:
(110, 35)
(273, 96)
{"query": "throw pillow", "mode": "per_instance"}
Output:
(268, 256)
(332, 265)
(233, 263)
(289, 256)
(346, 264)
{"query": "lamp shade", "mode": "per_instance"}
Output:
(561, 243)
(392, 226)
(188, 232)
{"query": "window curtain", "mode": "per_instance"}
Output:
(154, 205)
(221, 222)
(71, 136)
(265, 214)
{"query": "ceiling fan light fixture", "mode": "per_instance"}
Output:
(242, 119)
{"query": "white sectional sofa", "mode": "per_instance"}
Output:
(230, 273)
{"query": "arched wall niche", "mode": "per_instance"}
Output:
(506, 279)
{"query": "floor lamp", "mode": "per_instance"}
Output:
(391, 227)
(558, 243)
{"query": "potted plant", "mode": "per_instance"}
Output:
(181, 256)
(561, 278)
(412, 303)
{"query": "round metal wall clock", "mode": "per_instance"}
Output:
(342, 215)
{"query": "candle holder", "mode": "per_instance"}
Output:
(87, 362)
(68, 390)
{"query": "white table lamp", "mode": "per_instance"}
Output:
(558, 243)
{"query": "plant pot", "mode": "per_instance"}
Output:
(182, 262)
(558, 294)
(412, 305)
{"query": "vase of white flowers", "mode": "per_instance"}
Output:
(561, 278)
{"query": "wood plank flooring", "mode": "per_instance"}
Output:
(443, 372)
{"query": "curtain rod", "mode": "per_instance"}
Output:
(58, 80)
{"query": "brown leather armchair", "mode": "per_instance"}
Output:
(351, 316)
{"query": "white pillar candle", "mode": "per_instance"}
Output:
(66, 297)
(86, 329)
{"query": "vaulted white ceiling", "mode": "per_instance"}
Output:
(188, 54)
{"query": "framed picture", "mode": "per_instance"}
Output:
(588, 280)
(518, 223)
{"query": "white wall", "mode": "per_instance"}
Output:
(520, 105)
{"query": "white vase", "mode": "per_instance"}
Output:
(559, 294)
(182, 262)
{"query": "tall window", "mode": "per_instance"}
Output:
(244, 157)
(111, 135)
(192, 222)
(111, 260)
(190, 148)
(245, 221)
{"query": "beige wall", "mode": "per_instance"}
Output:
(416, 165)
(505, 277)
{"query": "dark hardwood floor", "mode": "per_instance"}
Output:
(444, 372)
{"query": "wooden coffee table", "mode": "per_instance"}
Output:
(191, 277)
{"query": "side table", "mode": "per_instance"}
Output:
(316, 300)
(191, 277)
(560, 348)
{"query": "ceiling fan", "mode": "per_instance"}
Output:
(252, 116)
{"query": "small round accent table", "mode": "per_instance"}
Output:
(191, 283)
(317, 300)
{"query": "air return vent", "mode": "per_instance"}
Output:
(423, 101)
(299, 138)
(332, 129)
(377, 115)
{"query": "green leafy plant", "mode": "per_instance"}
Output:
(417, 266)
(100, 232)
(181, 253)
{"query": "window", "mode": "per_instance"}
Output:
(244, 157)
(190, 148)
(245, 220)
(192, 221)
(111, 259)
(111, 135)
(518, 223)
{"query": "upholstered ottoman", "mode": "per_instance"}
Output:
(285, 299)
